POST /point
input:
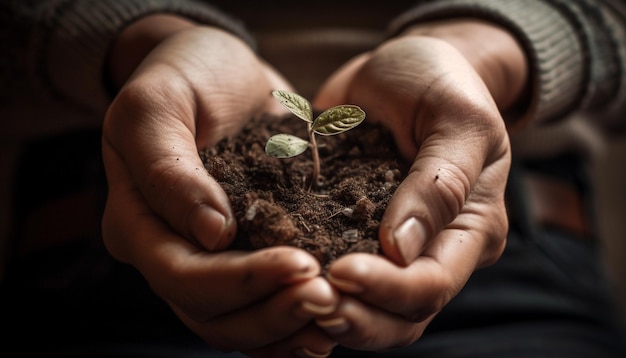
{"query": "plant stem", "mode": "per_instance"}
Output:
(316, 158)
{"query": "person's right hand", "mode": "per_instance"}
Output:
(440, 93)
(169, 219)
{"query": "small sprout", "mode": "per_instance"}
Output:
(333, 121)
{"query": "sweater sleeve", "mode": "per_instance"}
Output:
(576, 51)
(60, 46)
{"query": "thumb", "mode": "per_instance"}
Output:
(160, 154)
(432, 195)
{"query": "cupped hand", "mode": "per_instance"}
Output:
(168, 218)
(447, 218)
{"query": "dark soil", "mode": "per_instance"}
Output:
(275, 204)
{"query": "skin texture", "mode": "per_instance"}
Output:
(441, 97)
(439, 87)
(169, 219)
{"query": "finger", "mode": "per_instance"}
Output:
(270, 321)
(431, 195)
(424, 287)
(205, 284)
(362, 327)
(310, 342)
(334, 91)
(413, 293)
(392, 305)
(218, 283)
(436, 190)
(167, 111)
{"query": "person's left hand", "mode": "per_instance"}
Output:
(173, 222)
(447, 218)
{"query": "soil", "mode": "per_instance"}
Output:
(273, 199)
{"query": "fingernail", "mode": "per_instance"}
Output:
(334, 325)
(345, 285)
(316, 310)
(307, 353)
(409, 239)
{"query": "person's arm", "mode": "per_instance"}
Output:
(182, 87)
(173, 77)
(445, 83)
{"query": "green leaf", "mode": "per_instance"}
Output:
(338, 119)
(285, 146)
(297, 104)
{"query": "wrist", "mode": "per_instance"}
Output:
(137, 40)
(492, 51)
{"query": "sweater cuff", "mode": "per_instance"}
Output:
(554, 51)
(76, 37)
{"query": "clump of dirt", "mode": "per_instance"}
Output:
(275, 204)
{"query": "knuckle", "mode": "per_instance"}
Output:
(117, 233)
(193, 307)
(165, 185)
(453, 188)
(441, 290)
(424, 311)
(496, 239)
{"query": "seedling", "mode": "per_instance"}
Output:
(333, 121)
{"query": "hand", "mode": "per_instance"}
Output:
(447, 218)
(168, 218)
